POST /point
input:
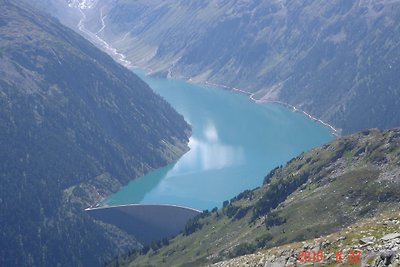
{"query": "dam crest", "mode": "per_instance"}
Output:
(147, 222)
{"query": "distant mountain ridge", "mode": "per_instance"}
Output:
(337, 60)
(74, 127)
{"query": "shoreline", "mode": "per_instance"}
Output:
(148, 71)
(335, 132)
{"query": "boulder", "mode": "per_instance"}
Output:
(390, 236)
(367, 240)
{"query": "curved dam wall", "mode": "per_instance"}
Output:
(147, 222)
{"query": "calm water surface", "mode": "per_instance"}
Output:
(235, 143)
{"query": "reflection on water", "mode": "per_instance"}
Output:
(165, 185)
(209, 153)
(210, 132)
(234, 144)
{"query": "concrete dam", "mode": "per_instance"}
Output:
(147, 222)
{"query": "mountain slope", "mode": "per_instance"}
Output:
(338, 61)
(74, 127)
(317, 193)
(375, 238)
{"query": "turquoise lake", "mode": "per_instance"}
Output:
(235, 143)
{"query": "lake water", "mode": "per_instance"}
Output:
(235, 143)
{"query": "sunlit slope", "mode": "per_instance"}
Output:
(374, 238)
(317, 193)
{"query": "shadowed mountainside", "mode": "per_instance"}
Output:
(74, 127)
(147, 222)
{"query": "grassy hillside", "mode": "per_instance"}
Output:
(316, 193)
(74, 127)
(373, 238)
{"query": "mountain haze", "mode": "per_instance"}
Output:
(337, 60)
(74, 127)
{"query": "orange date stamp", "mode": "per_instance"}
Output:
(353, 256)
